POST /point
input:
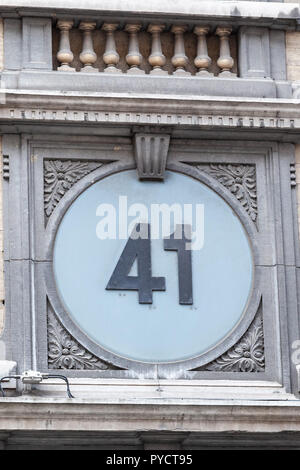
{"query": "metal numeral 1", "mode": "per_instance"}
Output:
(177, 242)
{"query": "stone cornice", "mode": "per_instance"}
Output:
(235, 11)
(73, 108)
(176, 7)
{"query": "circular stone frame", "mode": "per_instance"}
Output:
(75, 331)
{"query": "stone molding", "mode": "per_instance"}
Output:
(244, 113)
(266, 13)
(242, 121)
(200, 415)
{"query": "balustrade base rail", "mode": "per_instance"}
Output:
(144, 85)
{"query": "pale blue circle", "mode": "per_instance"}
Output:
(163, 331)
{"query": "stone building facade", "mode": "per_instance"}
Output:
(209, 91)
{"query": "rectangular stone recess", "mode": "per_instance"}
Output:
(26, 260)
(278, 55)
(254, 52)
(12, 44)
(37, 43)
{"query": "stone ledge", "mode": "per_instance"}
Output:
(80, 415)
(142, 85)
(135, 102)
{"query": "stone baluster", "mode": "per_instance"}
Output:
(110, 57)
(134, 58)
(87, 56)
(156, 59)
(65, 55)
(202, 61)
(225, 61)
(179, 59)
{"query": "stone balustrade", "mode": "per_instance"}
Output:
(156, 49)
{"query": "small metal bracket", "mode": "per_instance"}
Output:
(32, 377)
(151, 151)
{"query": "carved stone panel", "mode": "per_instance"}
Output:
(247, 355)
(65, 352)
(240, 180)
(60, 176)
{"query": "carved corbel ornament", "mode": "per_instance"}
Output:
(151, 152)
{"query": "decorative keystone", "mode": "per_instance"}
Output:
(151, 151)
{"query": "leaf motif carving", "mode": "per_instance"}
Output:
(60, 176)
(240, 180)
(246, 356)
(64, 352)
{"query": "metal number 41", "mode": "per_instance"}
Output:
(139, 248)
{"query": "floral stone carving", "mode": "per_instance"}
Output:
(65, 352)
(240, 180)
(247, 355)
(60, 176)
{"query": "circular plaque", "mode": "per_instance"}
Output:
(150, 300)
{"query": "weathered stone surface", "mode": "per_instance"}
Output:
(1, 44)
(191, 8)
(297, 167)
(160, 415)
(292, 55)
(2, 296)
